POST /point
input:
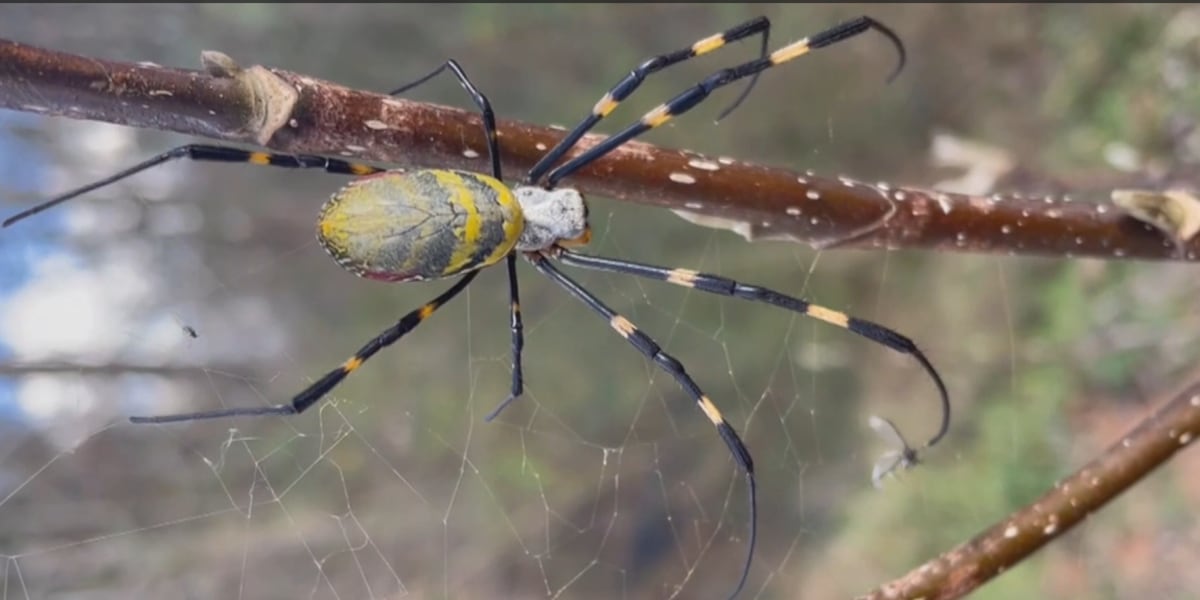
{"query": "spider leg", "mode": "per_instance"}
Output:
(208, 153)
(715, 284)
(650, 349)
(630, 83)
(518, 339)
(324, 385)
(696, 94)
(489, 129)
(481, 101)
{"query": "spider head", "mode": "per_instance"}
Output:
(558, 216)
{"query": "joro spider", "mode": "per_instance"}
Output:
(428, 224)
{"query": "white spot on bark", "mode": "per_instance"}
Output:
(704, 165)
(469, 153)
(944, 201)
(794, 211)
(742, 228)
(682, 178)
(813, 195)
(375, 124)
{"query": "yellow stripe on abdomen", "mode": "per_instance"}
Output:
(513, 226)
(468, 237)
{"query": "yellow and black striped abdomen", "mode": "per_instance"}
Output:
(427, 224)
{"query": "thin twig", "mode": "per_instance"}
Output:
(237, 371)
(234, 370)
(954, 574)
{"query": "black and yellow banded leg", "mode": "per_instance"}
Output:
(671, 365)
(208, 153)
(322, 386)
(518, 338)
(696, 94)
(727, 287)
(630, 83)
(481, 101)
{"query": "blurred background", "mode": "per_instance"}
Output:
(604, 481)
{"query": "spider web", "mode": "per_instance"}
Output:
(603, 480)
(538, 493)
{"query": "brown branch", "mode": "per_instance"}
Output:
(961, 570)
(289, 112)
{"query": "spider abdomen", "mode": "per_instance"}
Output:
(419, 225)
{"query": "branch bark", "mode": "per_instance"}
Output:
(289, 112)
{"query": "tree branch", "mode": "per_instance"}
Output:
(289, 112)
(954, 574)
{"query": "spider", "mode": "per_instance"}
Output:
(399, 226)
